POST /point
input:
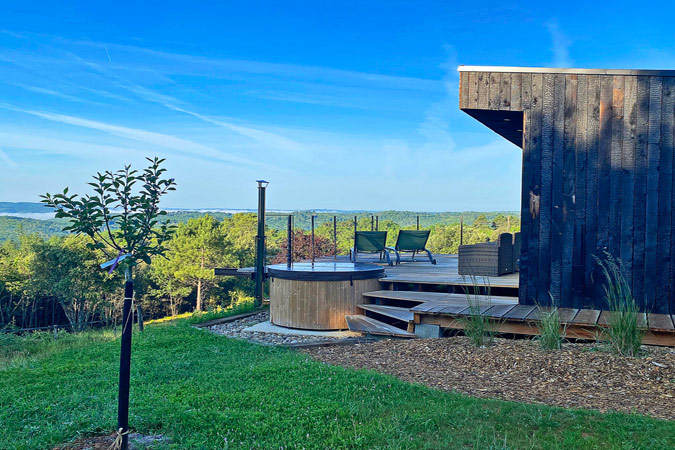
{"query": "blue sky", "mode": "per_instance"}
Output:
(346, 105)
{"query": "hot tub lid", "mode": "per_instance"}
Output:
(325, 271)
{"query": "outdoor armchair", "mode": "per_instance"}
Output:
(412, 241)
(370, 242)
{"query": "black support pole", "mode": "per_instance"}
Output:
(260, 245)
(372, 223)
(289, 255)
(125, 362)
(418, 223)
(377, 223)
(461, 230)
(335, 237)
(355, 223)
(313, 248)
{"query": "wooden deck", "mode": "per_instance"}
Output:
(421, 272)
(451, 310)
(421, 293)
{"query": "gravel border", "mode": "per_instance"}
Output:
(235, 329)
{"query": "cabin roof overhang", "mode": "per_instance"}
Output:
(491, 94)
(570, 71)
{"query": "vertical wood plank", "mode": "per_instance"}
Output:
(546, 170)
(483, 90)
(639, 207)
(671, 138)
(615, 167)
(664, 291)
(592, 154)
(495, 84)
(604, 161)
(602, 201)
(526, 185)
(516, 83)
(535, 136)
(463, 90)
(473, 90)
(568, 208)
(630, 111)
(505, 92)
(578, 255)
(652, 204)
(557, 189)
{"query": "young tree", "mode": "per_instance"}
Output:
(121, 220)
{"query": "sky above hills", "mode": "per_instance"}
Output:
(348, 106)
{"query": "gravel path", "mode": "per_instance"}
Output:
(236, 328)
(578, 376)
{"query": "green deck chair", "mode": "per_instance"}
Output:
(370, 242)
(412, 241)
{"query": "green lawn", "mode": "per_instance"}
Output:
(207, 392)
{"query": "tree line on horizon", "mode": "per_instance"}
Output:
(57, 279)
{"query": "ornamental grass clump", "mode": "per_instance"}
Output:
(550, 336)
(623, 333)
(478, 327)
(551, 330)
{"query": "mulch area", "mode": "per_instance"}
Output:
(578, 376)
(136, 441)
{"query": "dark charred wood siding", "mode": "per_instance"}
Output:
(598, 159)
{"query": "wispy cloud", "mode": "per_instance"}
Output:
(7, 160)
(267, 138)
(223, 67)
(560, 45)
(149, 137)
(51, 92)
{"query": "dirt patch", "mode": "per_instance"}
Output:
(578, 376)
(136, 442)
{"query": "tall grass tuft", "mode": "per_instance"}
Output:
(551, 331)
(477, 327)
(550, 336)
(623, 334)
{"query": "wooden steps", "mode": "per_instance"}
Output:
(395, 312)
(368, 325)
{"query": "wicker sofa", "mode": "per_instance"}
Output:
(490, 259)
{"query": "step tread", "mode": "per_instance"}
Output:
(364, 324)
(394, 312)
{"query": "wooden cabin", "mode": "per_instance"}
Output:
(597, 176)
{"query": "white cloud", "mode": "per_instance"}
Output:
(7, 160)
(149, 137)
(560, 45)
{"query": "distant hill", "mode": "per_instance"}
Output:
(11, 227)
(22, 207)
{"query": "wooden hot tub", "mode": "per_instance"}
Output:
(318, 296)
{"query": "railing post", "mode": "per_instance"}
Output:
(313, 248)
(335, 237)
(372, 223)
(377, 223)
(289, 255)
(418, 223)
